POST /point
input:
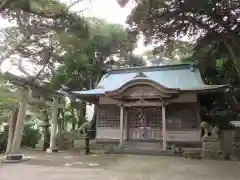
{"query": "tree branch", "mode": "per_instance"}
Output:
(74, 3)
(28, 6)
(11, 51)
(3, 4)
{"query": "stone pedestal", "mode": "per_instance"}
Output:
(211, 143)
(15, 158)
(227, 143)
(236, 152)
(49, 150)
(211, 149)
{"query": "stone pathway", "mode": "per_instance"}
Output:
(62, 166)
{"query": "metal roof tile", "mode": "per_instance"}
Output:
(181, 76)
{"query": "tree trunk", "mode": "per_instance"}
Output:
(11, 128)
(63, 125)
(46, 133)
(81, 113)
(79, 123)
(233, 57)
(17, 138)
(93, 122)
(94, 119)
(73, 118)
(84, 110)
(77, 115)
(59, 121)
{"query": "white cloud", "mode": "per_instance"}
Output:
(105, 9)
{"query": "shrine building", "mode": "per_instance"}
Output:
(153, 104)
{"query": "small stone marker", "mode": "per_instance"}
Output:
(15, 158)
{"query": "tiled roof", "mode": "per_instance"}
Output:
(180, 76)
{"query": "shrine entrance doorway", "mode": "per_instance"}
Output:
(144, 123)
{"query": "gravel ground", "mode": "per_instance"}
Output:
(71, 166)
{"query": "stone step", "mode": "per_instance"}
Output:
(143, 146)
(137, 151)
(129, 143)
(192, 153)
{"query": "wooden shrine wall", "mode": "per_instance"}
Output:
(108, 125)
(182, 122)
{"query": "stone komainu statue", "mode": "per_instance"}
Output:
(209, 130)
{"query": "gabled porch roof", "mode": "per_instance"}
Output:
(170, 78)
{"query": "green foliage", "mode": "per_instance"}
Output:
(84, 59)
(3, 141)
(48, 9)
(40, 26)
(6, 101)
(31, 136)
(211, 26)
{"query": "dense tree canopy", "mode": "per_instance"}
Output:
(39, 25)
(212, 25)
(83, 60)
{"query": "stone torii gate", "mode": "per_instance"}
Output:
(31, 93)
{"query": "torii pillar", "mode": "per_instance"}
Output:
(53, 146)
(17, 139)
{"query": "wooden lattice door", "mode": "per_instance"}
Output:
(136, 123)
(143, 121)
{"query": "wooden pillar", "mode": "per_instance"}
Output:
(53, 145)
(164, 128)
(121, 125)
(125, 124)
(17, 139)
(97, 118)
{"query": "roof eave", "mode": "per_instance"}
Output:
(86, 95)
(92, 98)
(217, 88)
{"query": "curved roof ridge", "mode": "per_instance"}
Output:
(142, 81)
(150, 68)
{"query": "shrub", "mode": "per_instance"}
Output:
(31, 136)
